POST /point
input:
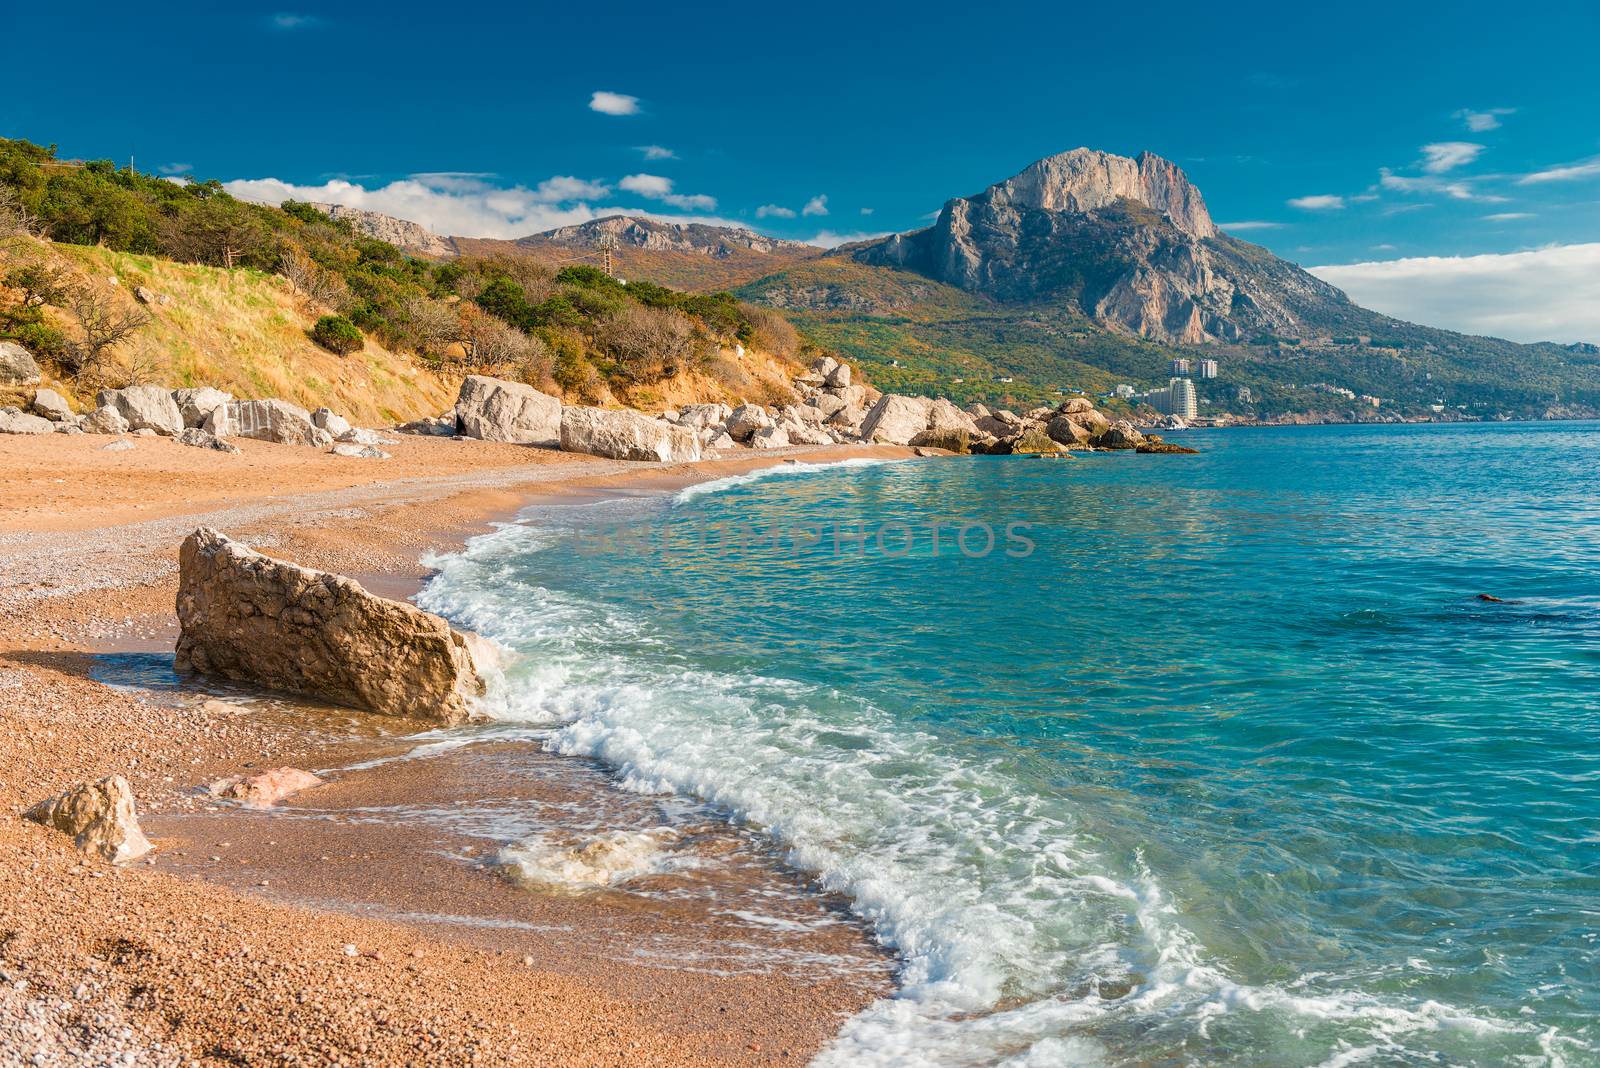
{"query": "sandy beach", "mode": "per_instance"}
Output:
(353, 925)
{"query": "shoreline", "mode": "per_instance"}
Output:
(85, 637)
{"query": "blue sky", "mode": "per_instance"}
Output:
(1335, 135)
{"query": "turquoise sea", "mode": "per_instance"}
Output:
(1213, 760)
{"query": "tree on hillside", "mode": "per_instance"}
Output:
(104, 321)
(311, 281)
(220, 231)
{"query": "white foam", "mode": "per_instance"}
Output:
(721, 485)
(1002, 912)
(605, 860)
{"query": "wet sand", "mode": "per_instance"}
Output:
(720, 957)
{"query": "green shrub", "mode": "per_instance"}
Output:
(337, 334)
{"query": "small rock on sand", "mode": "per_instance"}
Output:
(99, 816)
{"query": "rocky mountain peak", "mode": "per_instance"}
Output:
(1129, 242)
(657, 235)
(1085, 179)
(413, 237)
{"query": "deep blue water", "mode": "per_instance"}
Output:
(1233, 767)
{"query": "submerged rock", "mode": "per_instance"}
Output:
(248, 617)
(264, 789)
(100, 818)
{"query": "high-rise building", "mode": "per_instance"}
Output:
(1208, 368)
(1180, 366)
(1179, 398)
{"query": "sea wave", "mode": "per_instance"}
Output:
(1019, 945)
(785, 470)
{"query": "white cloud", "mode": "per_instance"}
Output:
(614, 103)
(1251, 224)
(1444, 156)
(170, 169)
(657, 152)
(565, 187)
(1507, 216)
(446, 204)
(289, 20)
(868, 211)
(817, 205)
(1455, 189)
(1479, 121)
(646, 185)
(1320, 202)
(658, 188)
(774, 211)
(1548, 294)
(1566, 173)
(833, 239)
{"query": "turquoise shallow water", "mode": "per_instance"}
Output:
(1231, 768)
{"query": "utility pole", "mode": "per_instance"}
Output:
(608, 244)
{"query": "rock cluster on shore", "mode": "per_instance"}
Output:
(832, 409)
(248, 617)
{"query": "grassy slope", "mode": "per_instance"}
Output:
(242, 331)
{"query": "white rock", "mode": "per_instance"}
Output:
(330, 421)
(350, 448)
(51, 405)
(17, 367)
(267, 420)
(120, 445)
(701, 416)
(203, 439)
(839, 377)
(625, 435)
(896, 419)
(105, 420)
(145, 408)
(196, 404)
(745, 420)
(772, 437)
(495, 410)
(13, 421)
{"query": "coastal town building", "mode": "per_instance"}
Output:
(1180, 367)
(1179, 398)
(1208, 368)
(1124, 391)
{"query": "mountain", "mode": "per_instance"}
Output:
(1128, 242)
(679, 255)
(413, 237)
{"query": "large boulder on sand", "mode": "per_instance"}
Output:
(745, 420)
(16, 421)
(250, 618)
(899, 420)
(267, 420)
(17, 367)
(701, 416)
(494, 410)
(145, 408)
(331, 421)
(105, 420)
(896, 419)
(100, 818)
(624, 435)
(196, 404)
